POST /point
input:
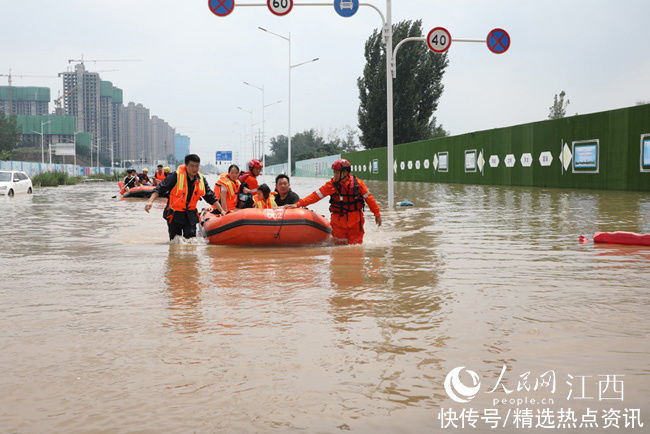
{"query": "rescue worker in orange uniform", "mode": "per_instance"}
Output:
(263, 198)
(227, 188)
(185, 188)
(250, 177)
(159, 175)
(348, 195)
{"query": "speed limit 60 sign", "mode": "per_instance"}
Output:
(280, 7)
(439, 40)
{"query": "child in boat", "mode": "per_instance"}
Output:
(263, 198)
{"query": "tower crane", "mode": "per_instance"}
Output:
(82, 60)
(10, 76)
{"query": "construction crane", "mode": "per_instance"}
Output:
(82, 60)
(57, 102)
(10, 92)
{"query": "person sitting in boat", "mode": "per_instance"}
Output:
(159, 175)
(167, 171)
(227, 188)
(250, 177)
(283, 193)
(263, 198)
(347, 195)
(131, 180)
(144, 177)
(185, 188)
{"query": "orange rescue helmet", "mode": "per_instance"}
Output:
(254, 163)
(341, 164)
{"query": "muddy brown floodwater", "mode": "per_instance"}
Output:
(106, 326)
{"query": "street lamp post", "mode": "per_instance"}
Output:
(263, 142)
(261, 89)
(42, 142)
(291, 67)
(389, 102)
(252, 134)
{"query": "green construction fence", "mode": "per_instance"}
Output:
(606, 150)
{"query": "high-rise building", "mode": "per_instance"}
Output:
(170, 143)
(181, 146)
(106, 117)
(124, 133)
(138, 133)
(82, 99)
(162, 139)
(32, 101)
(117, 117)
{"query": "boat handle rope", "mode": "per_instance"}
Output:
(277, 234)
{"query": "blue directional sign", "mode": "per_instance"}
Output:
(346, 8)
(223, 156)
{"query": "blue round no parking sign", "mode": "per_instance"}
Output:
(221, 8)
(498, 41)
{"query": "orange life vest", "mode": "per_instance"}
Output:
(347, 198)
(232, 190)
(160, 175)
(178, 200)
(265, 204)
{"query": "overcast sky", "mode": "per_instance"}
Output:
(193, 62)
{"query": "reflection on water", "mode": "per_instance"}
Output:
(182, 276)
(106, 326)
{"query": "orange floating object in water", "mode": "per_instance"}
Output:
(141, 191)
(254, 226)
(622, 238)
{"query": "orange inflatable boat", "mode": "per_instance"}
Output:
(256, 226)
(141, 191)
(622, 238)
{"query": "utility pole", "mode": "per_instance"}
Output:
(389, 101)
(290, 68)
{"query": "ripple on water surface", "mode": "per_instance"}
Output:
(106, 325)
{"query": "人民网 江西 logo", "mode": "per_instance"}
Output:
(458, 391)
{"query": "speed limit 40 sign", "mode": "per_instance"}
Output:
(439, 40)
(280, 7)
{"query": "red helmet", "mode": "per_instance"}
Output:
(341, 164)
(254, 163)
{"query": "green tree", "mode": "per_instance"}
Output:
(558, 109)
(418, 87)
(310, 144)
(9, 135)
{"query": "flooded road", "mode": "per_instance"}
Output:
(106, 326)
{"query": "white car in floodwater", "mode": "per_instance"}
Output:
(14, 182)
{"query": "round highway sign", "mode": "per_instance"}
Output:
(498, 41)
(280, 7)
(439, 40)
(221, 8)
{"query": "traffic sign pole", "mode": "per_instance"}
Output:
(388, 28)
(224, 7)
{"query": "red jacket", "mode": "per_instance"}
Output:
(249, 179)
